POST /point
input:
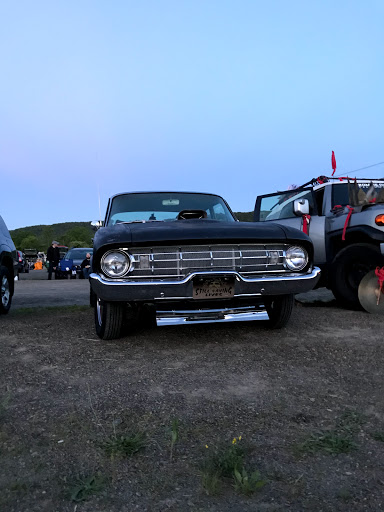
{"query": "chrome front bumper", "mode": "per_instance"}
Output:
(125, 290)
(205, 316)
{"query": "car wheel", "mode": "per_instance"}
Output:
(109, 318)
(6, 294)
(92, 298)
(348, 269)
(279, 310)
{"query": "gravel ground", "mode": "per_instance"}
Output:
(66, 397)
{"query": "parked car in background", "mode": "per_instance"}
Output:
(30, 256)
(77, 256)
(22, 265)
(182, 258)
(8, 267)
(63, 250)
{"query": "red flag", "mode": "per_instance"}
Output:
(333, 162)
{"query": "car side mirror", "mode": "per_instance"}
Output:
(301, 207)
(96, 224)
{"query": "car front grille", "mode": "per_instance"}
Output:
(178, 262)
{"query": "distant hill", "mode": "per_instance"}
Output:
(77, 234)
(244, 216)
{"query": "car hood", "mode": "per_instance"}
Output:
(190, 231)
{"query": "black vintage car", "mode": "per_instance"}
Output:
(183, 258)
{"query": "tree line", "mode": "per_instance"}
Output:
(71, 234)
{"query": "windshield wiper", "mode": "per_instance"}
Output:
(136, 221)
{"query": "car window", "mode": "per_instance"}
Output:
(280, 206)
(77, 254)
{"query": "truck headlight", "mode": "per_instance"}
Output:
(296, 258)
(115, 264)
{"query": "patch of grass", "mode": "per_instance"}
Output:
(50, 309)
(350, 422)
(337, 440)
(19, 487)
(211, 481)
(345, 495)
(4, 404)
(247, 483)
(124, 446)
(378, 436)
(83, 487)
(330, 442)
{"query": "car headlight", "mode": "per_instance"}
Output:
(115, 263)
(296, 258)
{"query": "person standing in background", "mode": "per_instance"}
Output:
(53, 256)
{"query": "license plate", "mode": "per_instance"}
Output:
(213, 288)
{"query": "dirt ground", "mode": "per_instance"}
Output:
(307, 402)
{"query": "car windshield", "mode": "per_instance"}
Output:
(165, 206)
(78, 253)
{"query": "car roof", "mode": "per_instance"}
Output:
(81, 249)
(165, 192)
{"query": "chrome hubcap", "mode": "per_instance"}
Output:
(5, 293)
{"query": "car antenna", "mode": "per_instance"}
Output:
(98, 193)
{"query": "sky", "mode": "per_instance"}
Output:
(234, 97)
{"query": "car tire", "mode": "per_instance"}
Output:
(6, 290)
(92, 298)
(279, 310)
(348, 268)
(109, 317)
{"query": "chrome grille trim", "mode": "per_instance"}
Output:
(176, 263)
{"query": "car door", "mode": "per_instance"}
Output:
(279, 208)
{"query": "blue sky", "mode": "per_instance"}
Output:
(232, 97)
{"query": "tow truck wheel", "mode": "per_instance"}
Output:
(348, 268)
(108, 319)
(279, 310)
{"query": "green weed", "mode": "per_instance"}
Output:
(4, 404)
(228, 462)
(211, 481)
(330, 442)
(378, 436)
(247, 483)
(345, 495)
(19, 487)
(226, 459)
(124, 446)
(85, 487)
(350, 422)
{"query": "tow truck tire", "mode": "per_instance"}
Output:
(6, 290)
(348, 268)
(279, 310)
(109, 318)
